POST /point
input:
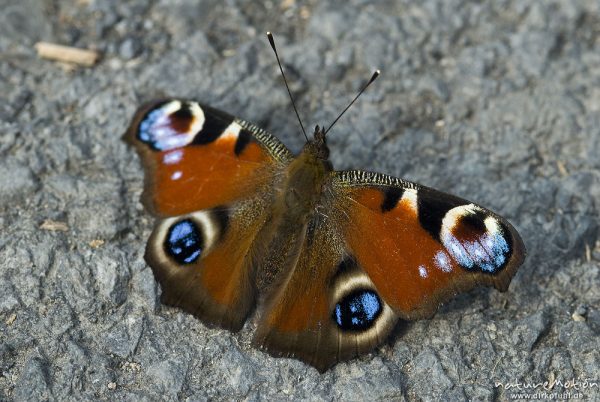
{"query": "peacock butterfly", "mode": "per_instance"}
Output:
(331, 258)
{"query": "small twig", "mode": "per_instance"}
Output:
(54, 226)
(67, 54)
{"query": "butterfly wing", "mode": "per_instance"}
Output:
(325, 308)
(209, 178)
(419, 246)
(379, 249)
(197, 157)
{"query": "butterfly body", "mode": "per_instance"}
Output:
(305, 182)
(329, 260)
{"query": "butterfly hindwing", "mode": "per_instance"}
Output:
(210, 180)
(325, 308)
(420, 246)
(204, 264)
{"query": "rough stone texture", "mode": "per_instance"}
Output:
(498, 102)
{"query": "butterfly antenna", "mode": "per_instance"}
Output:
(272, 42)
(373, 78)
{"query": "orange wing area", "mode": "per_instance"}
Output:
(196, 157)
(302, 303)
(412, 270)
(204, 176)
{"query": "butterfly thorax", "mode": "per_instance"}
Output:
(306, 177)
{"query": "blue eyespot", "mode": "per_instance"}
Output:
(475, 247)
(168, 126)
(358, 310)
(184, 242)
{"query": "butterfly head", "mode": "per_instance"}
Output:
(318, 145)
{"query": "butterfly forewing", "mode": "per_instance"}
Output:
(420, 246)
(197, 157)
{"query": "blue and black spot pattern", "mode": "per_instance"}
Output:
(148, 132)
(184, 242)
(476, 248)
(358, 311)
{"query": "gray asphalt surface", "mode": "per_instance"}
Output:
(497, 102)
